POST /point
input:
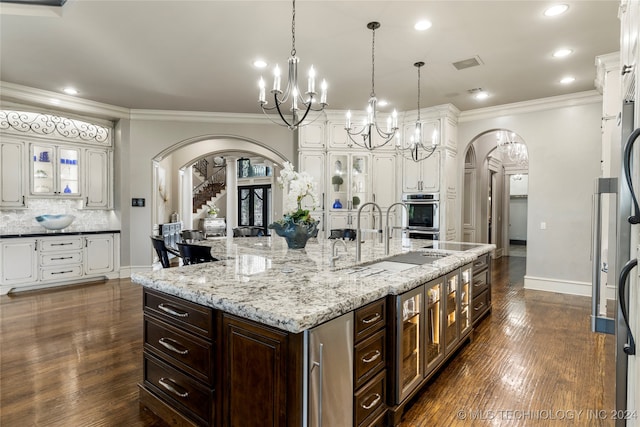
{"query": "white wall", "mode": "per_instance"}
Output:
(148, 138)
(564, 161)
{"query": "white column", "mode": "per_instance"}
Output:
(232, 194)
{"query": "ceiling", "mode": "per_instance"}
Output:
(197, 55)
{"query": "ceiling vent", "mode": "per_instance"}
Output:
(468, 63)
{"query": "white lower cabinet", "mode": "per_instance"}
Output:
(19, 262)
(99, 254)
(31, 263)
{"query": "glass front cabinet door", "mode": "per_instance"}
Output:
(451, 327)
(434, 348)
(465, 299)
(410, 369)
(350, 182)
(55, 171)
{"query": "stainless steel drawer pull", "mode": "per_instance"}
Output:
(372, 319)
(61, 244)
(373, 403)
(375, 356)
(172, 310)
(478, 307)
(62, 272)
(171, 345)
(62, 257)
(171, 386)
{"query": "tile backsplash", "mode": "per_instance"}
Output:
(18, 221)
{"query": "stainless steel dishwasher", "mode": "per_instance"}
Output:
(330, 373)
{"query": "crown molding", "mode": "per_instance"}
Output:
(199, 116)
(60, 102)
(542, 104)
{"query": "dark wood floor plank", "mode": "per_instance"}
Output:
(73, 357)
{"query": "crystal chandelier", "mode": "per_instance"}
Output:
(370, 127)
(516, 151)
(419, 148)
(292, 98)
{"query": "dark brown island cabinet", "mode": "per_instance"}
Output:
(205, 367)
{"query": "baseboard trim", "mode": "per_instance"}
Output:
(559, 286)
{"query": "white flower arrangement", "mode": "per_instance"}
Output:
(297, 185)
(213, 209)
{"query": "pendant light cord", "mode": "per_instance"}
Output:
(373, 62)
(293, 29)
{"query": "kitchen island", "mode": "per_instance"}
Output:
(258, 305)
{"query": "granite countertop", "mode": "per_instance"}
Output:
(42, 232)
(258, 278)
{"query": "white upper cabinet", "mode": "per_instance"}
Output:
(12, 177)
(421, 177)
(312, 137)
(98, 189)
(383, 177)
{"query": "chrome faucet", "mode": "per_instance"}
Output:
(334, 251)
(388, 229)
(359, 231)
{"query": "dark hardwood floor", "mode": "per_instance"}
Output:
(73, 357)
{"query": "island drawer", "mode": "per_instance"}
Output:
(186, 351)
(369, 319)
(481, 304)
(193, 317)
(179, 390)
(481, 262)
(480, 281)
(369, 357)
(370, 400)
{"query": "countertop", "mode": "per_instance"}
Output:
(259, 278)
(42, 232)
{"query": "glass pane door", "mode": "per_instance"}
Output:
(43, 169)
(433, 343)
(465, 286)
(451, 319)
(410, 357)
(68, 166)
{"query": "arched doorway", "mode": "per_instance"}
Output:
(172, 181)
(488, 208)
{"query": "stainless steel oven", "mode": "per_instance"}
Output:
(422, 216)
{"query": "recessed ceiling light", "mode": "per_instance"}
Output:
(70, 91)
(383, 103)
(259, 63)
(556, 10)
(422, 25)
(561, 53)
(567, 80)
(481, 95)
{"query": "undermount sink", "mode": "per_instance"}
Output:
(396, 263)
(417, 258)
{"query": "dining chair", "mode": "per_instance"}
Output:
(195, 254)
(191, 235)
(162, 250)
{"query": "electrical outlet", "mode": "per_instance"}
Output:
(543, 225)
(137, 202)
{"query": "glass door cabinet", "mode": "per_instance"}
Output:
(433, 343)
(55, 171)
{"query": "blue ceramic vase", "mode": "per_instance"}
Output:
(295, 233)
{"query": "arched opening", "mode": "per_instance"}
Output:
(494, 208)
(175, 177)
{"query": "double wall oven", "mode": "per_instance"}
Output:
(421, 219)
